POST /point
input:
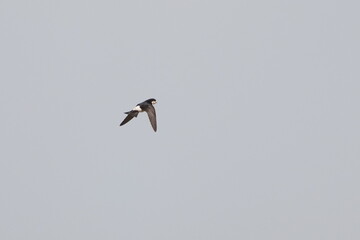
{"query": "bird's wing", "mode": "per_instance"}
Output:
(130, 115)
(152, 116)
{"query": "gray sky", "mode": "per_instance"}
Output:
(258, 120)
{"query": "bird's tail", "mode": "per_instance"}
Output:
(133, 113)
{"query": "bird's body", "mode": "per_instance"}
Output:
(146, 106)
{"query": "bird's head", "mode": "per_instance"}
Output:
(152, 101)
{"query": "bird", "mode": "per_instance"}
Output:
(145, 106)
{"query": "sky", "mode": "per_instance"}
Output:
(258, 120)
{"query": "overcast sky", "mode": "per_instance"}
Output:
(258, 120)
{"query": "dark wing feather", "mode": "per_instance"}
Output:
(130, 115)
(152, 116)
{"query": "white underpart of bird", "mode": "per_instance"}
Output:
(137, 108)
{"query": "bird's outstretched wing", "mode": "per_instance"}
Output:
(130, 115)
(152, 116)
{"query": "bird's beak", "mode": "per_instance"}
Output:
(154, 102)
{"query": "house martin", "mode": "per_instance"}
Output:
(146, 106)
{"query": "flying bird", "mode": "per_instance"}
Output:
(146, 106)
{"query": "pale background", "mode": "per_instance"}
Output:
(258, 120)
